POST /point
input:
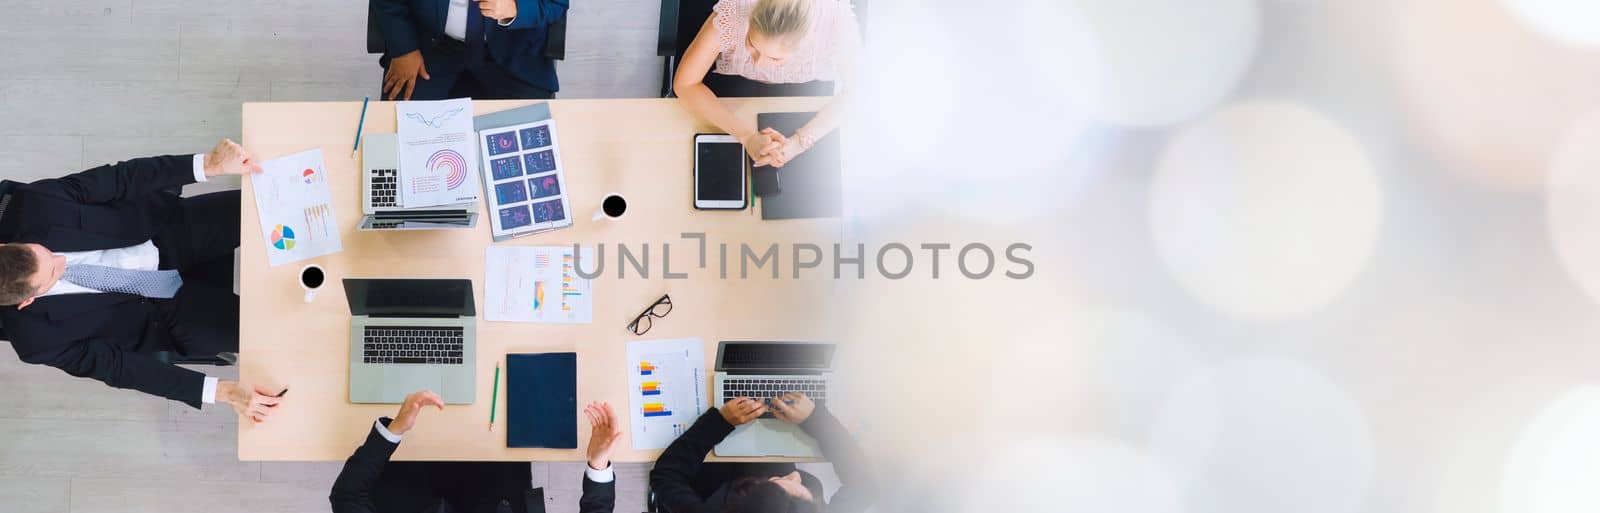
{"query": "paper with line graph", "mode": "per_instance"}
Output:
(666, 389)
(537, 284)
(438, 154)
(295, 208)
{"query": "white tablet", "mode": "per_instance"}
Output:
(719, 172)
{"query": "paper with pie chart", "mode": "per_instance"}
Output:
(295, 208)
(438, 153)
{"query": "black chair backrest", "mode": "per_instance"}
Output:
(6, 186)
(555, 43)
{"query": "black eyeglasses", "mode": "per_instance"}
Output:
(642, 323)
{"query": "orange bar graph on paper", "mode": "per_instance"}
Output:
(650, 388)
(656, 410)
(645, 369)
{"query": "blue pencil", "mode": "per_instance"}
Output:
(360, 124)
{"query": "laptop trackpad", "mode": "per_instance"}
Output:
(769, 438)
(401, 380)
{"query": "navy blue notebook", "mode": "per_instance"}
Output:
(542, 400)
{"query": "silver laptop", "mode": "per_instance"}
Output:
(762, 370)
(380, 194)
(411, 334)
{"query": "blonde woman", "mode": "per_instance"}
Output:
(775, 45)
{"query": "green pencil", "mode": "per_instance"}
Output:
(494, 397)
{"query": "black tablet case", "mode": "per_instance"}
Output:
(542, 400)
(809, 185)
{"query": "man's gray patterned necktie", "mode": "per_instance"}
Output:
(151, 284)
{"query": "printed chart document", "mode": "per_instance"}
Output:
(537, 284)
(295, 208)
(526, 184)
(666, 389)
(438, 153)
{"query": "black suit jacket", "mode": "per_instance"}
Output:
(352, 490)
(673, 476)
(103, 336)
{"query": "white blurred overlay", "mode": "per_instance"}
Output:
(1252, 294)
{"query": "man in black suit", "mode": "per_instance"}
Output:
(485, 49)
(109, 265)
(370, 483)
(684, 483)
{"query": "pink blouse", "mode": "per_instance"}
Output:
(833, 29)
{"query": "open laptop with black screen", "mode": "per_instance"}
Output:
(411, 334)
(761, 370)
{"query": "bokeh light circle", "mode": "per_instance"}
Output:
(1486, 96)
(1552, 465)
(1573, 22)
(1264, 209)
(1291, 440)
(1572, 205)
(1167, 61)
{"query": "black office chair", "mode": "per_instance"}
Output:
(555, 44)
(681, 21)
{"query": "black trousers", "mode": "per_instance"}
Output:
(466, 487)
(732, 86)
(199, 241)
(452, 77)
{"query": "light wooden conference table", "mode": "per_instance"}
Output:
(639, 148)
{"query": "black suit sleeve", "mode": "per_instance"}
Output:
(121, 181)
(597, 497)
(352, 490)
(537, 13)
(101, 360)
(394, 21)
(671, 477)
(857, 487)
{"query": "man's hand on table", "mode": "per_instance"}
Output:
(228, 158)
(254, 403)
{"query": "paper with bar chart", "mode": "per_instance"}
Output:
(438, 156)
(295, 208)
(666, 389)
(537, 284)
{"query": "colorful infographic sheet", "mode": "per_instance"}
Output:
(295, 208)
(438, 158)
(537, 284)
(527, 185)
(666, 389)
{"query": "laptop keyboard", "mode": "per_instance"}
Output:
(762, 388)
(384, 192)
(399, 344)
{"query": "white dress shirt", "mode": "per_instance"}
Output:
(604, 475)
(455, 21)
(139, 257)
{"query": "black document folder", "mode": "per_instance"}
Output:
(542, 400)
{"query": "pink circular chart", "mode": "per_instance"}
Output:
(452, 165)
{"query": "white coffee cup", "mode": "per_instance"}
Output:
(312, 277)
(613, 206)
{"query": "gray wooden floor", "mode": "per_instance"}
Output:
(88, 82)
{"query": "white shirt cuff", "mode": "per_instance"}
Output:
(384, 432)
(199, 167)
(604, 475)
(208, 392)
(506, 23)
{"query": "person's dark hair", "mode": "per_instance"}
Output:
(17, 265)
(760, 495)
